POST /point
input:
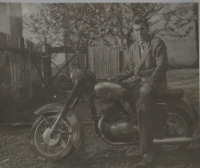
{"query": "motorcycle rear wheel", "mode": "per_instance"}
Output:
(55, 147)
(179, 125)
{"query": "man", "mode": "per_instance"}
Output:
(146, 73)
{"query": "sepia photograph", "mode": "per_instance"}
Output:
(99, 85)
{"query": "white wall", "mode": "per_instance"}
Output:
(4, 18)
(11, 18)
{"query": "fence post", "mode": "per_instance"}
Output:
(47, 65)
(30, 48)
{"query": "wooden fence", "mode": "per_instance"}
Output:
(16, 59)
(106, 62)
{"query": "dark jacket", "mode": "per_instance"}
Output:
(151, 67)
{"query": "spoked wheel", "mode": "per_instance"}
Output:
(178, 125)
(54, 146)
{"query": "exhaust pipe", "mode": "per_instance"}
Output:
(168, 141)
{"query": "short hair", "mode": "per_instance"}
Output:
(141, 19)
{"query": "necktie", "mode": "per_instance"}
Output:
(141, 48)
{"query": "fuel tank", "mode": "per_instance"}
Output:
(105, 90)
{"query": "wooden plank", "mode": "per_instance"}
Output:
(111, 61)
(39, 71)
(9, 40)
(107, 53)
(104, 62)
(12, 49)
(92, 59)
(117, 62)
(99, 62)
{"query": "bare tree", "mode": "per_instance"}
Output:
(71, 25)
(118, 19)
(81, 25)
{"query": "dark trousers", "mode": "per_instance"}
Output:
(146, 114)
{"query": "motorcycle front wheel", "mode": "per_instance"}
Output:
(54, 147)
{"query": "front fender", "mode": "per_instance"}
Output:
(49, 108)
(75, 122)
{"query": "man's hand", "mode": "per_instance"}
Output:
(145, 90)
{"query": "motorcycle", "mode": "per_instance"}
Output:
(58, 131)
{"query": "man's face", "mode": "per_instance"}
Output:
(140, 31)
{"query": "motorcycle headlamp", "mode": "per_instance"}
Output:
(71, 76)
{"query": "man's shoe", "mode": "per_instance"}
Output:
(146, 162)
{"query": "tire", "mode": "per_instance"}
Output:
(52, 149)
(185, 130)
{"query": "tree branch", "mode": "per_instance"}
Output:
(120, 25)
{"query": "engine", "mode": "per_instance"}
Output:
(116, 123)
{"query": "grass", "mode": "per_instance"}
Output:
(183, 78)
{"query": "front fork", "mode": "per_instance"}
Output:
(66, 105)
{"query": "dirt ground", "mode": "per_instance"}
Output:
(15, 153)
(15, 150)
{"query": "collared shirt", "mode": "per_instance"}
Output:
(142, 44)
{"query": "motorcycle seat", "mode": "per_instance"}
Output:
(172, 94)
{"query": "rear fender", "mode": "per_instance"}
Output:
(75, 122)
(189, 110)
